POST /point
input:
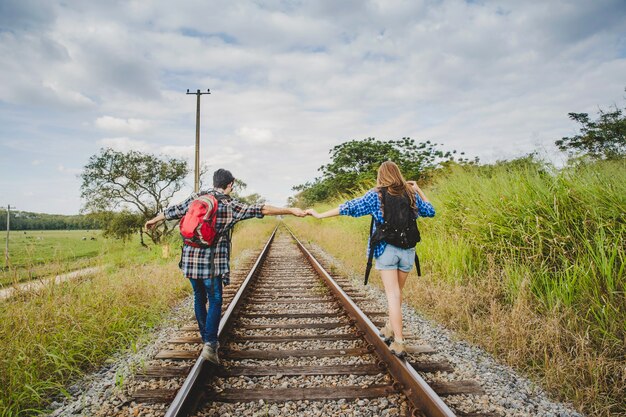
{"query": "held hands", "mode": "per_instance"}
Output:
(298, 212)
(312, 212)
(303, 213)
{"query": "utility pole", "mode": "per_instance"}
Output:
(196, 183)
(6, 249)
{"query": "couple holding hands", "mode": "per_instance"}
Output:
(208, 270)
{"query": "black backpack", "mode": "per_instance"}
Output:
(399, 227)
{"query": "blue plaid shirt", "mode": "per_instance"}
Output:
(370, 204)
(214, 261)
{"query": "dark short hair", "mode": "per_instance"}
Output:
(222, 177)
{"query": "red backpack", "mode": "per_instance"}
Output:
(197, 227)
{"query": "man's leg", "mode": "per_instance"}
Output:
(199, 305)
(214, 291)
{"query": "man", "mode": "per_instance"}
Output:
(208, 267)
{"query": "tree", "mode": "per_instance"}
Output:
(115, 180)
(604, 138)
(122, 225)
(254, 198)
(354, 164)
(24, 220)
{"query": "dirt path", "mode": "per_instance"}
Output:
(38, 284)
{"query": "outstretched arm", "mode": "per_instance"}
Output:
(329, 213)
(268, 210)
(173, 212)
(155, 220)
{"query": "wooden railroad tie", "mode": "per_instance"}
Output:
(296, 394)
(310, 393)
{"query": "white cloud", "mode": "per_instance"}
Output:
(35, 162)
(66, 95)
(125, 144)
(72, 171)
(290, 80)
(122, 125)
(255, 135)
(185, 152)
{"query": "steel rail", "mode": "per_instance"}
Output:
(419, 393)
(188, 396)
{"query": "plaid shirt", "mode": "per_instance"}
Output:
(370, 204)
(204, 263)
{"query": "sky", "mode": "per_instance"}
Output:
(289, 80)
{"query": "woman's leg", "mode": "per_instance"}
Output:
(393, 291)
(402, 280)
(199, 305)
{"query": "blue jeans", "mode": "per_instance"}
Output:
(208, 322)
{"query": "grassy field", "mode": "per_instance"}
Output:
(39, 253)
(526, 262)
(52, 337)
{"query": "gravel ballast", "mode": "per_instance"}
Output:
(106, 392)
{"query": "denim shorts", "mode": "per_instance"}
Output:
(394, 257)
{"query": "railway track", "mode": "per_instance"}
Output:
(295, 338)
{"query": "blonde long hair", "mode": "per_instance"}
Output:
(389, 176)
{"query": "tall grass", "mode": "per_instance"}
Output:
(528, 262)
(49, 338)
(565, 231)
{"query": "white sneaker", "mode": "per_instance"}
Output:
(209, 353)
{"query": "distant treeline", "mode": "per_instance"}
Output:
(24, 220)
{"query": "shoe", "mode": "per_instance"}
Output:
(209, 353)
(386, 332)
(398, 348)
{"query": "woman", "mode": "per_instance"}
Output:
(394, 263)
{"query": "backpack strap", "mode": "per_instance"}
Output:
(368, 268)
(381, 194)
(417, 265)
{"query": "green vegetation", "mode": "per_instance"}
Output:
(602, 138)
(144, 182)
(122, 190)
(41, 253)
(355, 163)
(51, 337)
(24, 220)
(527, 261)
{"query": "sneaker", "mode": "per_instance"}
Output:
(386, 332)
(209, 353)
(398, 348)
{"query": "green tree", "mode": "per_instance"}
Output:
(354, 164)
(122, 225)
(146, 183)
(24, 220)
(603, 138)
